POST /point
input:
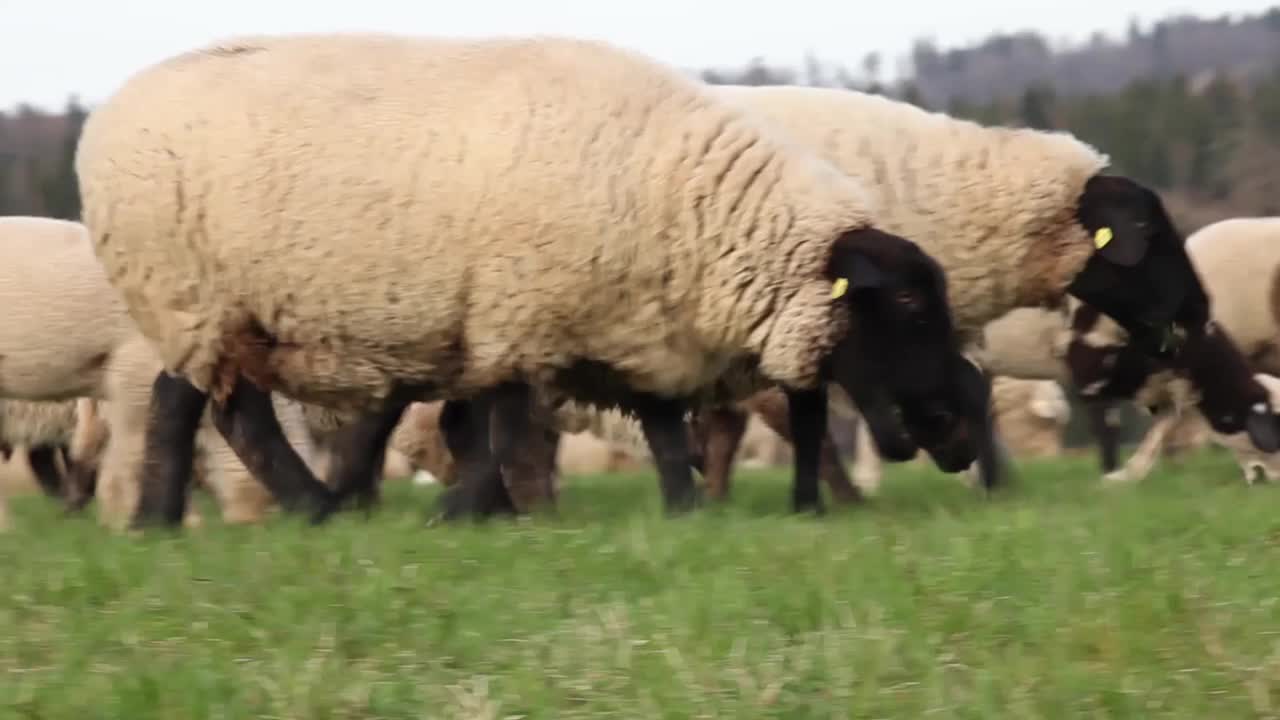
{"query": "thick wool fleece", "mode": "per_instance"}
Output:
(63, 318)
(995, 206)
(258, 203)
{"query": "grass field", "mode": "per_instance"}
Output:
(1059, 599)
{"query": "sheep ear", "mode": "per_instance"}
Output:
(1122, 243)
(855, 271)
(1111, 208)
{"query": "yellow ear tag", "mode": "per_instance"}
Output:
(1102, 237)
(838, 287)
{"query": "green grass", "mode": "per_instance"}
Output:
(1060, 599)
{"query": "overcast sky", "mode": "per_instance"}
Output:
(50, 49)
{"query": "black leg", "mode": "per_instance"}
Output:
(44, 466)
(480, 491)
(1106, 435)
(664, 428)
(807, 411)
(248, 422)
(513, 442)
(358, 452)
(173, 416)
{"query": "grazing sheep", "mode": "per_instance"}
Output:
(257, 211)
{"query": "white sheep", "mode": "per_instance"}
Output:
(77, 372)
(575, 216)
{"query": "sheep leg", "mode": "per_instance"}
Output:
(807, 411)
(247, 421)
(776, 415)
(867, 467)
(1106, 434)
(513, 443)
(662, 421)
(1144, 458)
(44, 466)
(173, 416)
(357, 454)
(480, 490)
(723, 429)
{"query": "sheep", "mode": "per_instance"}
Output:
(1238, 260)
(708, 247)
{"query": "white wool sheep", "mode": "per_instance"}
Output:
(523, 175)
(72, 357)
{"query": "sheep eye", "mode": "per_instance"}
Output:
(907, 299)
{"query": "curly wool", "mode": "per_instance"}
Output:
(560, 201)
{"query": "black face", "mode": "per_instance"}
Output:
(1231, 399)
(901, 353)
(1141, 275)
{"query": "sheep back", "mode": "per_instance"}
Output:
(1238, 261)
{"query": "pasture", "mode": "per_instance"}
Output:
(1060, 598)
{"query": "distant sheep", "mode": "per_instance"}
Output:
(588, 220)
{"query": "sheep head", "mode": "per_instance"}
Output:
(900, 360)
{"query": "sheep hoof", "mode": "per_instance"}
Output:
(1116, 477)
(320, 508)
(686, 502)
(816, 508)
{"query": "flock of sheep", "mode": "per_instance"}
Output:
(298, 254)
